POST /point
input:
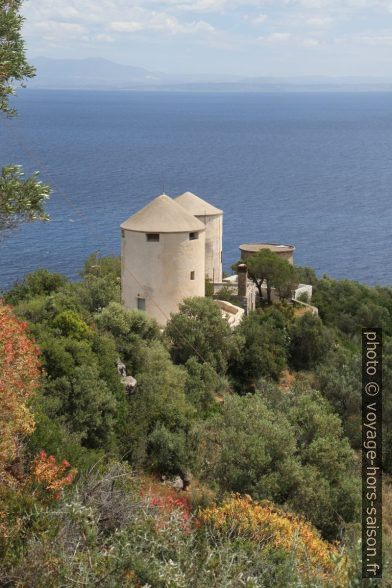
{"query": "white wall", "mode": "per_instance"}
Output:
(301, 289)
(160, 272)
(214, 237)
(304, 289)
(232, 313)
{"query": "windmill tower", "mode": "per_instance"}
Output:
(212, 218)
(162, 258)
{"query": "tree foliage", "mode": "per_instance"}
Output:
(69, 324)
(21, 200)
(101, 283)
(284, 279)
(350, 306)
(266, 268)
(110, 529)
(285, 444)
(265, 523)
(263, 347)
(161, 414)
(132, 331)
(248, 448)
(339, 381)
(281, 450)
(202, 386)
(41, 282)
(98, 266)
(310, 341)
(14, 68)
(19, 380)
(198, 330)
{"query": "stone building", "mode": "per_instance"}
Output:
(171, 246)
(212, 218)
(162, 258)
(284, 251)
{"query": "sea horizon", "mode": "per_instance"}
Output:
(309, 169)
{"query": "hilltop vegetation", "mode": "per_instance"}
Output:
(209, 406)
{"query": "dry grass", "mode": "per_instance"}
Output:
(300, 311)
(287, 380)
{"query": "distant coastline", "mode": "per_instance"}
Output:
(104, 75)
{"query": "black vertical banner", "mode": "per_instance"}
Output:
(371, 453)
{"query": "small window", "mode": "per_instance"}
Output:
(141, 304)
(122, 233)
(152, 237)
(193, 236)
(192, 275)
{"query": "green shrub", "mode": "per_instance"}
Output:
(310, 342)
(289, 449)
(198, 330)
(38, 283)
(69, 324)
(263, 343)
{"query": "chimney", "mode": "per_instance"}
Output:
(242, 279)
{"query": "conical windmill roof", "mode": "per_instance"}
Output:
(163, 215)
(197, 206)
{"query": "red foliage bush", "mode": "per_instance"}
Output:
(19, 379)
(167, 503)
(50, 476)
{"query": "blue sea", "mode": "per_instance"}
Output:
(313, 170)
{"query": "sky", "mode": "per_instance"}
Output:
(232, 37)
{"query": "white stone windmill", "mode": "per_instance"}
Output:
(212, 218)
(163, 253)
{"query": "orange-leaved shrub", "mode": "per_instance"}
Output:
(270, 526)
(167, 501)
(19, 379)
(50, 477)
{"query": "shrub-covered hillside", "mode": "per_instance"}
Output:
(233, 462)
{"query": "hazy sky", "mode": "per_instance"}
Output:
(249, 37)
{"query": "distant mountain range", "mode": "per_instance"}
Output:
(101, 74)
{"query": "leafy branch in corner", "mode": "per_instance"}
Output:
(21, 200)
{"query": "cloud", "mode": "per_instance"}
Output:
(53, 31)
(370, 40)
(104, 20)
(126, 26)
(310, 43)
(380, 40)
(163, 23)
(285, 37)
(202, 5)
(319, 21)
(219, 28)
(276, 38)
(52, 26)
(104, 38)
(259, 19)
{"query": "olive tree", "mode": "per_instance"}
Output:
(199, 330)
(310, 341)
(21, 199)
(267, 267)
(288, 448)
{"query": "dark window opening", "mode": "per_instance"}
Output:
(193, 236)
(192, 275)
(152, 237)
(122, 233)
(141, 304)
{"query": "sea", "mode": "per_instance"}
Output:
(309, 169)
